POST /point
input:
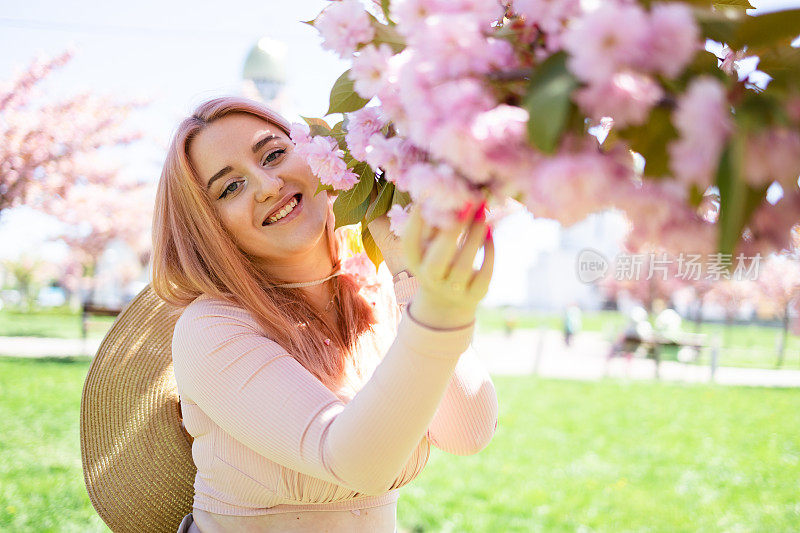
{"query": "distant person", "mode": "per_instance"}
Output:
(637, 330)
(572, 322)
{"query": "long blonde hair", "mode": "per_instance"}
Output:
(193, 254)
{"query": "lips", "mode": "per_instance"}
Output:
(280, 205)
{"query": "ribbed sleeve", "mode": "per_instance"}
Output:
(466, 418)
(258, 394)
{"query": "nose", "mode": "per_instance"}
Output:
(267, 186)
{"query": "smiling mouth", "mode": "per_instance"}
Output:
(291, 214)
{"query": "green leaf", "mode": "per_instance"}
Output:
(347, 213)
(311, 121)
(382, 203)
(695, 195)
(703, 63)
(387, 35)
(322, 187)
(651, 140)
(401, 198)
(756, 110)
(720, 4)
(782, 63)
(740, 4)
(767, 29)
(372, 250)
(720, 25)
(351, 205)
(338, 133)
(386, 9)
(318, 129)
(343, 97)
(737, 199)
(547, 102)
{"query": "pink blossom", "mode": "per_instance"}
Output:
(361, 125)
(773, 155)
(343, 26)
(569, 186)
(300, 133)
(674, 38)
(454, 43)
(731, 59)
(394, 155)
(439, 192)
(501, 54)
(398, 217)
(627, 97)
(793, 111)
(484, 11)
(606, 40)
(661, 219)
(494, 144)
(770, 228)
(413, 16)
(369, 69)
(549, 15)
(325, 160)
(452, 103)
(703, 121)
(362, 269)
(410, 15)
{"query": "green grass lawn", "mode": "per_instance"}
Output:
(568, 456)
(60, 322)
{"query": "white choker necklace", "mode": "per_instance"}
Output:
(309, 283)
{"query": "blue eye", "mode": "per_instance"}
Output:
(230, 189)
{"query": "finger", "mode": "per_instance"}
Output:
(481, 279)
(411, 240)
(461, 270)
(442, 250)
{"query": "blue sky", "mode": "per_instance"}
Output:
(180, 53)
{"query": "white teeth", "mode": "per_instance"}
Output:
(285, 211)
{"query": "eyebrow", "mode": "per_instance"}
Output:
(256, 147)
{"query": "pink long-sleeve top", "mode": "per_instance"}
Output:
(270, 438)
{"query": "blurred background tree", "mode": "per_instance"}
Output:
(50, 160)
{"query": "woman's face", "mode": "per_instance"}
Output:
(250, 170)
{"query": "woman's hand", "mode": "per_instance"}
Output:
(449, 288)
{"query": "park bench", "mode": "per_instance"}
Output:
(89, 310)
(651, 345)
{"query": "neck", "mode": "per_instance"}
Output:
(315, 264)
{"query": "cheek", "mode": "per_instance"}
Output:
(234, 220)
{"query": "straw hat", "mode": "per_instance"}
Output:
(137, 458)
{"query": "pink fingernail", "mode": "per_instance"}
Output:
(489, 233)
(463, 213)
(480, 214)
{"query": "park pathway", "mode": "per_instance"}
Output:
(524, 352)
(543, 352)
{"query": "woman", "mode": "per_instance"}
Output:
(308, 407)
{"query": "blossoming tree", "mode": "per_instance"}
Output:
(779, 286)
(41, 143)
(568, 107)
(49, 161)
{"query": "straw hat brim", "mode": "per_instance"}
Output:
(137, 459)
